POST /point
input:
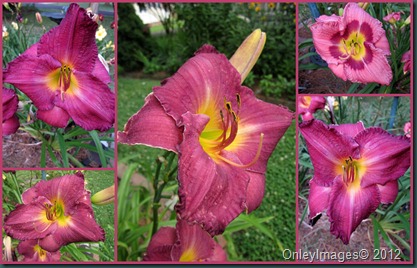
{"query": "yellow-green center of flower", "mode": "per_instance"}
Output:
(62, 79)
(352, 171)
(222, 130)
(41, 252)
(56, 213)
(353, 47)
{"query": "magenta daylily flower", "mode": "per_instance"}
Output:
(355, 169)
(392, 17)
(185, 243)
(223, 136)
(64, 77)
(354, 46)
(308, 105)
(406, 59)
(55, 212)
(10, 119)
(32, 252)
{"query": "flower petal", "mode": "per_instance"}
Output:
(255, 118)
(11, 125)
(194, 244)
(200, 86)
(386, 157)
(326, 147)
(73, 41)
(56, 117)
(318, 199)
(388, 192)
(90, 104)
(347, 209)
(31, 75)
(327, 32)
(350, 130)
(10, 102)
(160, 246)
(255, 191)
(101, 72)
(143, 129)
(338, 70)
(211, 193)
(29, 221)
(373, 67)
(81, 227)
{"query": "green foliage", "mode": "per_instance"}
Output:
(277, 87)
(132, 36)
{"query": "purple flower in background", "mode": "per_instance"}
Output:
(10, 119)
(185, 243)
(32, 252)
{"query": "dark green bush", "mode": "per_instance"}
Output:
(132, 39)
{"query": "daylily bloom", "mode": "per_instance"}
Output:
(355, 169)
(407, 129)
(31, 251)
(55, 212)
(223, 136)
(308, 105)
(185, 243)
(353, 45)
(392, 17)
(406, 59)
(10, 119)
(64, 77)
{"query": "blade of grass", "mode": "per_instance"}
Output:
(99, 147)
(63, 148)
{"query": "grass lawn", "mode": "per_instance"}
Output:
(279, 200)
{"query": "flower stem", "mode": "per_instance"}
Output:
(167, 159)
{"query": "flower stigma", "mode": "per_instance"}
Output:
(214, 140)
(353, 47)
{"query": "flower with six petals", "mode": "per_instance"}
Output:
(31, 251)
(223, 136)
(355, 169)
(353, 45)
(55, 213)
(64, 77)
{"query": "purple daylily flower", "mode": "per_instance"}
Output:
(308, 105)
(354, 46)
(222, 133)
(64, 77)
(10, 119)
(32, 252)
(185, 243)
(55, 212)
(355, 169)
